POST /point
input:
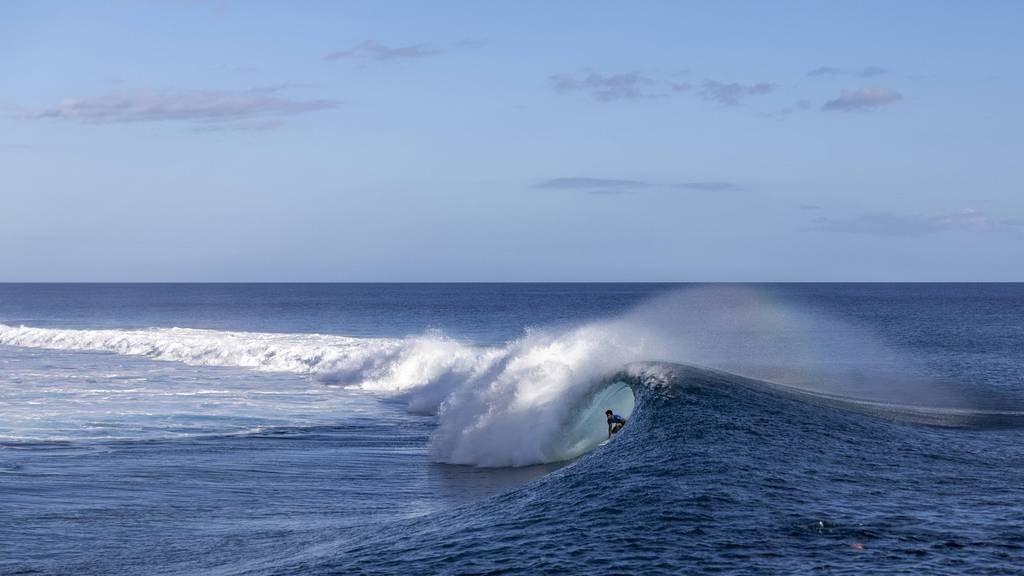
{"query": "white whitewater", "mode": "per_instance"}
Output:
(500, 406)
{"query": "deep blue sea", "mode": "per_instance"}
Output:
(459, 429)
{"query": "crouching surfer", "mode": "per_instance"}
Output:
(615, 422)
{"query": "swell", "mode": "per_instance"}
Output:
(666, 380)
(717, 469)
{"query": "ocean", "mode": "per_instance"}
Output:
(459, 428)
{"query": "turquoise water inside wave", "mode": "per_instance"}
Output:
(283, 429)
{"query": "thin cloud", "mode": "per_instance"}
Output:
(916, 225)
(822, 71)
(373, 50)
(605, 88)
(871, 71)
(710, 186)
(731, 93)
(208, 107)
(598, 185)
(810, 207)
(635, 85)
(862, 100)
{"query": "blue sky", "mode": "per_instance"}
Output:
(512, 141)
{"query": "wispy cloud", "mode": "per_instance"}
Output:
(204, 107)
(870, 71)
(810, 207)
(862, 100)
(373, 50)
(605, 88)
(912, 225)
(822, 71)
(592, 185)
(710, 186)
(636, 85)
(731, 93)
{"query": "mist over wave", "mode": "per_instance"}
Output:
(517, 404)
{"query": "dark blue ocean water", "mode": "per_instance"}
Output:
(431, 429)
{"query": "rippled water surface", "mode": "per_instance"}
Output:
(423, 429)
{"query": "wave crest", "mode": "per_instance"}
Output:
(520, 403)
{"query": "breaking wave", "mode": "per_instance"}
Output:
(502, 406)
(541, 397)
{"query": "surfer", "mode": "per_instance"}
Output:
(615, 422)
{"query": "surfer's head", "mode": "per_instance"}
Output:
(607, 412)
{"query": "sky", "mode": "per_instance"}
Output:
(511, 141)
